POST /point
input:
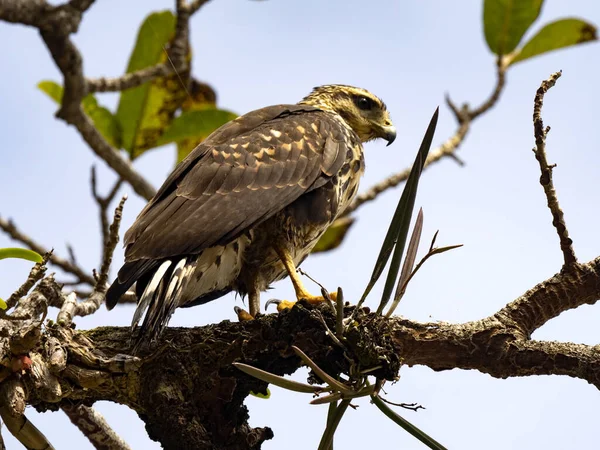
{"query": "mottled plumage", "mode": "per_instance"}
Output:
(264, 186)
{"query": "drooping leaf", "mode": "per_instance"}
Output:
(398, 229)
(145, 111)
(195, 126)
(506, 21)
(335, 234)
(332, 382)
(555, 35)
(277, 380)
(406, 425)
(105, 121)
(20, 253)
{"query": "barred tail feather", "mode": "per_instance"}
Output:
(161, 298)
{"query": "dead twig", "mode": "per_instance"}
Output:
(71, 307)
(464, 116)
(540, 133)
(36, 274)
(9, 227)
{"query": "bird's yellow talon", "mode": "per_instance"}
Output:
(311, 299)
(243, 315)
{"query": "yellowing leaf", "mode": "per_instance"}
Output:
(559, 34)
(202, 96)
(335, 234)
(106, 123)
(506, 21)
(3, 304)
(192, 127)
(146, 110)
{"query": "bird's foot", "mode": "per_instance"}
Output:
(243, 315)
(311, 299)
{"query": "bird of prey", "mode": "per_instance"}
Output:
(248, 204)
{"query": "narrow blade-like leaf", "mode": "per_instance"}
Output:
(402, 217)
(21, 253)
(409, 427)
(332, 382)
(284, 383)
(333, 420)
(391, 236)
(409, 262)
(555, 35)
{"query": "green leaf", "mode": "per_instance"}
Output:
(53, 89)
(406, 206)
(202, 97)
(555, 35)
(333, 420)
(335, 234)
(3, 304)
(398, 229)
(506, 21)
(261, 395)
(282, 382)
(21, 253)
(145, 111)
(409, 427)
(334, 384)
(103, 119)
(195, 124)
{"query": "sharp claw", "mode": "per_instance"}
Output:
(242, 314)
(273, 301)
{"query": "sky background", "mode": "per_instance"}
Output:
(410, 53)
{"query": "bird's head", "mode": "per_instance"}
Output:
(364, 112)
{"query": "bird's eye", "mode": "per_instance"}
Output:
(364, 103)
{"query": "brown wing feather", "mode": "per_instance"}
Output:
(241, 175)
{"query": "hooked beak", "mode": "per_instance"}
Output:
(389, 134)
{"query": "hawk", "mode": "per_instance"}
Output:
(248, 204)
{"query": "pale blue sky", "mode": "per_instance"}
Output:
(410, 54)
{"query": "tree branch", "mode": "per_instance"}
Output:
(71, 307)
(464, 117)
(94, 427)
(97, 368)
(9, 227)
(558, 218)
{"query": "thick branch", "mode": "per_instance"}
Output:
(94, 427)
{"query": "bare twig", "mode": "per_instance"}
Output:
(37, 273)
(464, 116)
(94, 427)
(103, 204)
(410, 406)
(558, 218)
(176, 63)
(71, 307)
(11, 229)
